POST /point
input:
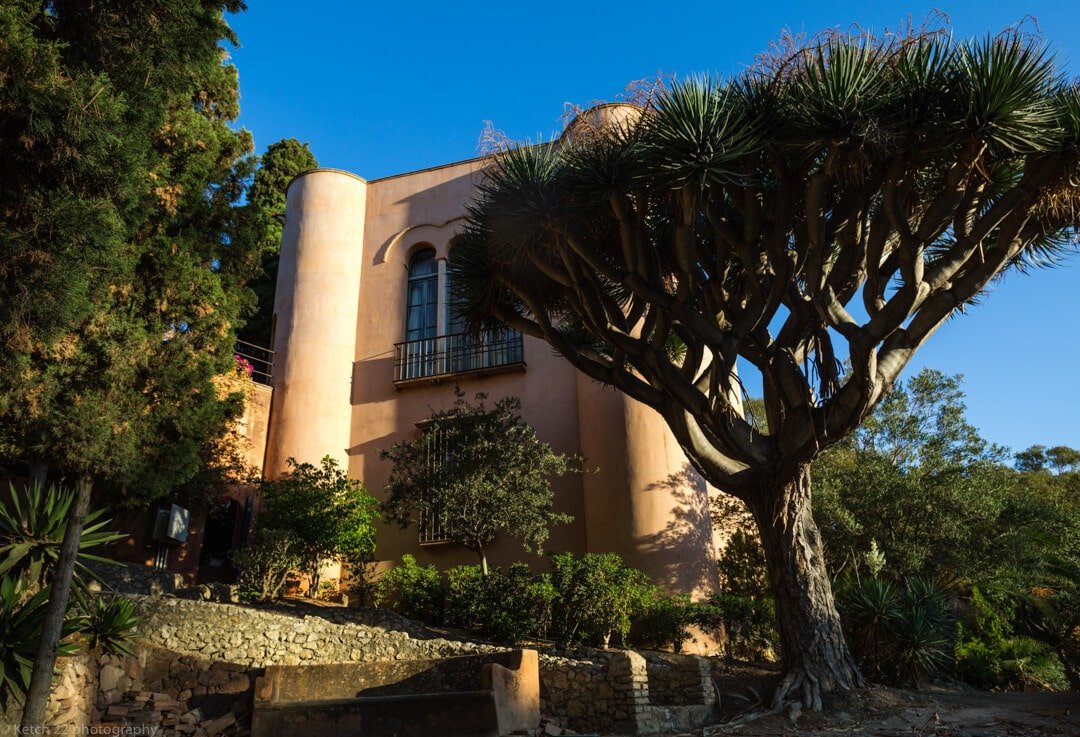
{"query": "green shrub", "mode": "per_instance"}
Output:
(516, 604)
(988, 656)
(465, 601)
(263, 567)
(325, 513)
(742, 566)
(978, 664)
(506, 606)
(749, 624)
(664, 621)
(598, 597)
(1029, 662)
(414, 590)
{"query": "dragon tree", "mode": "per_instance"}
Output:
(814, 220)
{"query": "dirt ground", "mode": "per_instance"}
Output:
(931, 712)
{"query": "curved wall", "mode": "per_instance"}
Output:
(645, 501)
(315, 308)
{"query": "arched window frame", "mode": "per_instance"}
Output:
(423, 298)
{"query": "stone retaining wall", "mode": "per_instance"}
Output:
(679, 680)
(72, 704)
(256, 638)
(209, 654)
(129, 578)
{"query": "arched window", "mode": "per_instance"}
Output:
(422, 306)
(436, 343)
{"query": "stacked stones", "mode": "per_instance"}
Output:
(678, 680)
(71, 701)
(136, 579)
(146, 712)
(629, 678)
(608, 691)
(256, 638)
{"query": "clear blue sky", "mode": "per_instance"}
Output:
(404, 86)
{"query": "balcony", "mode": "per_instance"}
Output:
(432, 359)
(260, 361)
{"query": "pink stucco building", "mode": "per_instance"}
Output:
(365, 346)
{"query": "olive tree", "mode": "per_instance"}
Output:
(475, 473)
(840, 203)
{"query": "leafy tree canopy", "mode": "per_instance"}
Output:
(951, 508)
(477, 472)
(329, 514)
(282, 161)
(120, 271)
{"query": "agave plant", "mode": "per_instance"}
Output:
(20, 630)
(110, 624)
(32, 530)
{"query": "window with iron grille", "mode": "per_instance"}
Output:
(433, 522)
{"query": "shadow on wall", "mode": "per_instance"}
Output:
(373, 378)
(729, 515)
(689, 529)
(430, 210)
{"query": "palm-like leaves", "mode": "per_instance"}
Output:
(841, 90)
(20, 630)
(32, 530)
(924, 129)
(1008, 84)
(110, 624)
(898, 633)
(738, 221)
(697, 136)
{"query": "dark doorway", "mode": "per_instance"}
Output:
(214, 562)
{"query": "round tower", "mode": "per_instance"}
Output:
(315, 315)
(598, 117)
(645, 501)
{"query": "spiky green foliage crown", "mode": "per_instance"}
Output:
(744, 218)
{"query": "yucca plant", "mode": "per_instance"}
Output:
(898, 633)
(920, 644)
(32, 529)
(869, 607)
(21, 620)
(856, 190)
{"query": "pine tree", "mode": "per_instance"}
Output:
(282, 161)
(122, 272)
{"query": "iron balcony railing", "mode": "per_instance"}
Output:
(430, 358)
(260, 361)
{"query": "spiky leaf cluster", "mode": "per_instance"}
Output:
(842, 204)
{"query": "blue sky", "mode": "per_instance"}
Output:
(405, 86)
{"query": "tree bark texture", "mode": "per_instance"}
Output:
(37, 696)
(815, 654)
